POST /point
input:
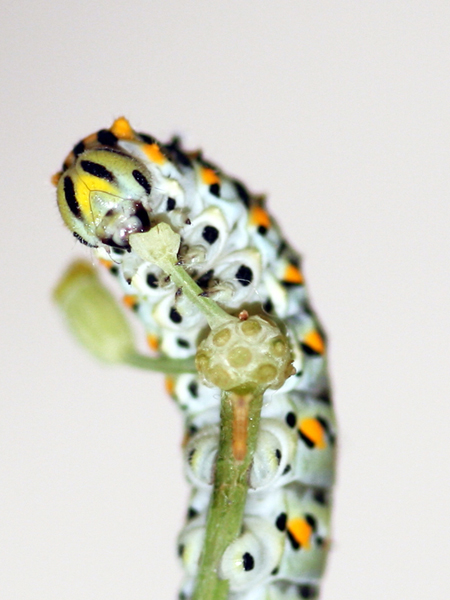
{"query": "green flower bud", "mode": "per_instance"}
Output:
(93, 314)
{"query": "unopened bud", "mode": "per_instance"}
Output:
(251, 354)
(93, 315)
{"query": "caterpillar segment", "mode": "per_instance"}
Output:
(118, 182)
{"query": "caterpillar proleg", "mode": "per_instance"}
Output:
(209, 274)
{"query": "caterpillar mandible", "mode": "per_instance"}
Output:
(118, 186)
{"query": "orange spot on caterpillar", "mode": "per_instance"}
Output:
(90, 139)
(153, 342)
(55, 178)
(259, 217)
(105, 263)
(169, 385)
(121, 128)
(154, 153)
(313, 430)
(130, 300)
(292, 275)
(315, 341)
(209, 177)
(301, 531)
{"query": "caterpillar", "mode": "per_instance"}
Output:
(118, 183)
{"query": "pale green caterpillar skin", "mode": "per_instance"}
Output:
(118, 182)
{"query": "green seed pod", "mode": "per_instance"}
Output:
(93, 315)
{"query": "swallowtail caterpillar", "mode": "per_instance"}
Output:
(211, 277)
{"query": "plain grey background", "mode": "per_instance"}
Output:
(340, 112)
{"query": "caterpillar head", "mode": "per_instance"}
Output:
(104, 197)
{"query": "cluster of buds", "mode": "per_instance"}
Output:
(246, 352)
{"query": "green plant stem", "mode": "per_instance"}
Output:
(160, 246)
(226, 510)
(212, 311)
(163, 364)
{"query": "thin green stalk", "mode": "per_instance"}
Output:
(160, 246)
(162, 364)
(226, 511)
(212, 311)
(239, 418)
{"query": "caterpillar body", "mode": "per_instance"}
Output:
(117, 182)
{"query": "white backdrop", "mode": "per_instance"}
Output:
(339, 110)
